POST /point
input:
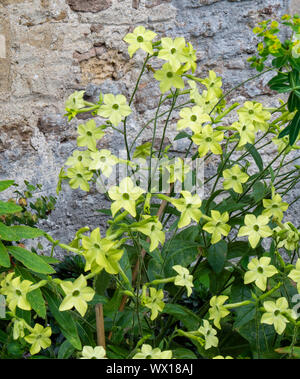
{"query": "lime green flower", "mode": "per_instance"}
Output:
(246, 130)
(192, 118)
(146, 352)
(168, 78)
(79, 176)
(77, 295)
(217, 226)
(143, 151)
(287, 236)
(19, 329)
(206, 101)
(254, 112)
(188, 205)
(178, 171)
(208, 140)
(221, 357)
(282, 143)
(213, 83)
(274, 207)
(101, 253)
(259, 272)
(104, 161)
(154, 302)
(152, 229)
(190, 58)
(140, 39)
(274, 316)
(115, 108)
(39, 338)
(79, 157)
(75, 101)
(89, 352)
(89, 134)
(173, 52)
(184, 279)
(255, 228)
(233, 178)
(295, 274)
(217, 310)
(125, 196)
(16, 294)
(209, 334)
(5, 283)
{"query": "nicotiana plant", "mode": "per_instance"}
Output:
(174, 274)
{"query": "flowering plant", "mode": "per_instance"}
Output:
(191, 265)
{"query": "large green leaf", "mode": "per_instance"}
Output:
(188, 318)
(4, 184)
(255, 155)
(4, 257)
(178, 252)
(64, 319)
(30, 260)
(7, 207)
(216, 256)
(18, 232)
(239, 293)
(66, 350)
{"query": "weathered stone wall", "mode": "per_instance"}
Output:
(50, 48)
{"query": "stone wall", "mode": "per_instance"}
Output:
(50, 48)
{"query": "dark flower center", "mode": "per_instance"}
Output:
(140, 39)
(234, 177)
(251, 111)
(89, 133)
(277, 312)
(208, 139)
(194, 118)
(170, 75)
(173, 51)
(126, 196)
(115, 107)
(76, 293)
(256, 228)
(260, 270)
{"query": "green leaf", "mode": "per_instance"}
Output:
(216, 256)
(188, 318)
(246, 313)
(179, 252)
(258, 191)
(126, 266)
(101, 282)
(66, 350)
(37, 302)
(18, 232)
(7, 207)
(4, 184)
(238, 249)
(295, 128)
(4, 257)
(64, 319)
(30, 260)
(182, 135)
(255, 155)
(280, 61)
(182, 353)
(294, 101)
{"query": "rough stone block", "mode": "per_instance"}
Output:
(89, 5)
